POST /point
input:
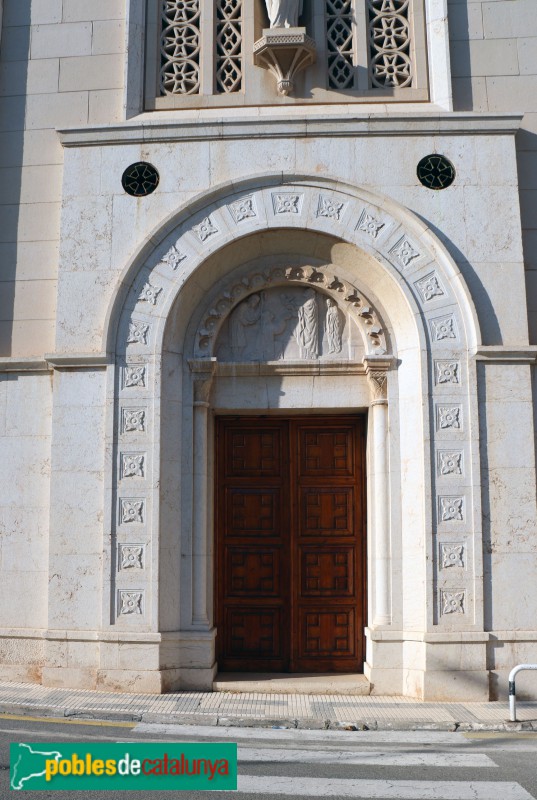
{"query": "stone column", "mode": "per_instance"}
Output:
(202, 387)
(377, 375)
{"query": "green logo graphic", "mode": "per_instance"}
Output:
(139, 766)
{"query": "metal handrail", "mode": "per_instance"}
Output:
(512, 689)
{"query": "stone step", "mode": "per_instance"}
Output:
(291, 683)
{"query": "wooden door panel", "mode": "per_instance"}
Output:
(327, 634)
(290, 544)
(252, 573)
(327, 572)
(253, 512)
(326, 511)
(254, 633)
(253, 453)
(326, 452)
(328, 546)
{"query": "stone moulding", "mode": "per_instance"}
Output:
(288, 367)
(322, 125)
(281, 125)
(8, 364)
(507, 354)
(176, 232)
(78, 360)
(403, 246)
(55, 361)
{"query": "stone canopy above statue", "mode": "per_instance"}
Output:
(291, 323)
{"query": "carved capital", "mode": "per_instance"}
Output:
(202, 390)
(377, 378)
(203, 370)
(378, 386)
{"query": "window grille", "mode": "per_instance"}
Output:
(180, 47)
(339, 42)
(390, 43)
(229, 46)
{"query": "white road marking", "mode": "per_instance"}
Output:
(385, 789)
(388, 758)
(300, 735)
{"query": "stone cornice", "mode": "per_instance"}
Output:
(506, 354)
(78, 360)
(51, 361)
(314, 367)
(277, 126)
(438, 637)
(32, 364)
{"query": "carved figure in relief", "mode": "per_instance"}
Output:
(284, 323)
(246, 315)
(284, 13)
(272, 325)
(333, 326)
(307, 329)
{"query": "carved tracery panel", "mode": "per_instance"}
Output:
(180, 47)
(340, 43)
(390, 43)
(228, 45)
(183, 57)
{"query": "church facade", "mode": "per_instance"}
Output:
(268, 342)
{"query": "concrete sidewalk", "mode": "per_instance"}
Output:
(264, 710)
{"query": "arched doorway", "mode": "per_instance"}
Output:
(409, 367)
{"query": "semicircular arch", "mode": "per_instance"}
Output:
(371, 245)
(377, 226)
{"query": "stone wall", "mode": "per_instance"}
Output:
(494, 68)
(61, 64)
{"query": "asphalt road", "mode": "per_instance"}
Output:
(273, 763)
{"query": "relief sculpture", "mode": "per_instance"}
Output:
(307, 330)
(244, 317)
(286, 323)
(333, 326)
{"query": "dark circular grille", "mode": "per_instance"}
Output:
(140, 179)
(436, 172)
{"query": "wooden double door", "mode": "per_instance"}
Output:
(290, 544)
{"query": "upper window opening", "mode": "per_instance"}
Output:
(201, 53)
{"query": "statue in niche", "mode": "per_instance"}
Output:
(333, 326)
(246, 316)
(307, 329)
(284, 13)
